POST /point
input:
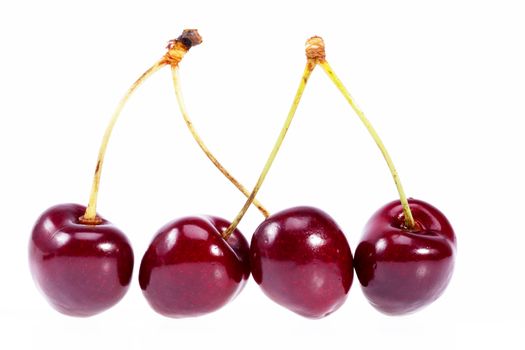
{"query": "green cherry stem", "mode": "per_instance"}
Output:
(177, 48)
(204, 148)
(409, 219)
(90, 216)
(310, 65)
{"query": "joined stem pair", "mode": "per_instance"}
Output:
(315, 54)
(177, 48)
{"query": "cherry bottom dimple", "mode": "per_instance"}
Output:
(80, 286)
(405, 287)
(185, 290)
(312, 290)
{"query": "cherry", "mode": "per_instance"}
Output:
(189, 269)
(402, 270)
(302, 260)
(82, 269)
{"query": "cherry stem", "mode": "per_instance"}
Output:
(177, 48)
(90, 216)
(211, 157)
(409, 219)
(310, 65)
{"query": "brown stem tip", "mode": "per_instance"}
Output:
(315, 49)
(189, 38)
(178, 47)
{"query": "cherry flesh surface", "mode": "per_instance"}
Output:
(190, 270)
(403, 270)
(302, 260)
(81, 269)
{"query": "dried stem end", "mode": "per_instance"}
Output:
(85, 221)
(177, 48)
(315, 49)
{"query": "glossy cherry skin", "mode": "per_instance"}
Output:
(402, 270)
(302, 261)
(190, 270)
(81, 269)
(237, 242)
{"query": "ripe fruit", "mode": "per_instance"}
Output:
(302, 261)
(402, 270)
(81, 269)
(189, 269)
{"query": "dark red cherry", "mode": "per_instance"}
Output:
(81, 269)
(190, 270)
(403, 270)
(302, 260)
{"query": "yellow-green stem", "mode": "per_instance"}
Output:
(409, 219)
(211, 157)
(177, 48)
(310, 65)
(90, 216)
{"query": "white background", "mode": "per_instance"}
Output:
(443, 82)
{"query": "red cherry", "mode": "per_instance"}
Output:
(302, 260)
(190, 270)
(402, 270)
(81, 269)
